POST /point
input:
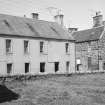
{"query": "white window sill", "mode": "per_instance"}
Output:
(9, 53)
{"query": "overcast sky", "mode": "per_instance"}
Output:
(77, 13)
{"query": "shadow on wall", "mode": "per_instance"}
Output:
(6, 94)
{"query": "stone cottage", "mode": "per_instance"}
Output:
(30, 45)
(90, 46)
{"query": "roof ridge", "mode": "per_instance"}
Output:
(27, 18)
(89, 29)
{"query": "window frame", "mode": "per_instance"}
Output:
(56, 66)
(41, 46)
(67, 66)
(25, 68)
(26, 52)
(67, 48)
(44, 64)
(11, 71)
(11, 49)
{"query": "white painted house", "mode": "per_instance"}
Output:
(34, 46)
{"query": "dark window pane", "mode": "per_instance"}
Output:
(56, 66)
(8, 45)
(42, 67)
(9, 68)
(26, 46)
(26, 67)
(41, 46)
(67, 47)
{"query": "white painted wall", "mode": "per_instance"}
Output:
(54, 52)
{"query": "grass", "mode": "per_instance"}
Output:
(71, 90)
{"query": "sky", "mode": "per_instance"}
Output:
(77, 13)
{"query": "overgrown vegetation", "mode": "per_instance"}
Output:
(63, 90)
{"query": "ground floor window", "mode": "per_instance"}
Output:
(89, 62)
(56, 66)
(9, 68)
(42, 67)
(27, 67)
(104, 66)
(67, 66)
(78, 67)
(78, 64)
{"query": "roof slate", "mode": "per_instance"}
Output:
(89, 34)
(13, 25)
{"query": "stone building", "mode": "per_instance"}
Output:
(34, 46)
(90, 46)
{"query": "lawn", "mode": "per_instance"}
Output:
(72, 90)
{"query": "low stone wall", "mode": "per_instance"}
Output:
(25, 77)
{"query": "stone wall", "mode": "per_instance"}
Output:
(88, 54)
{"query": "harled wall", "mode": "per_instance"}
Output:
(54, 51)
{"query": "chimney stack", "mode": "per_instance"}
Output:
(97, 20)
(59, 19)
(25, 16)
(104, 23)
(35, 16)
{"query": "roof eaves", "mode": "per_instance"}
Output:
(86, 41)
(35, 37)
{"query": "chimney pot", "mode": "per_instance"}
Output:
(35, 16)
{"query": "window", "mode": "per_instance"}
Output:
(67, 47)
(9, 68)
(42, 67)
(67, 66)
(27, 67)
(26, 47)
(8, 46)
(78, 67)
(78, 61)
(56, 66)
(41, 47)
(78, 64)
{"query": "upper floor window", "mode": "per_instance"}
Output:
(67, 47)
(26, 47)
(41, 46)
(8, 46)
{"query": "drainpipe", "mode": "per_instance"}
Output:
(98, 55)
(75, 55)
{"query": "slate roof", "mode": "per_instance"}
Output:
(13, 25)
(89, 34)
